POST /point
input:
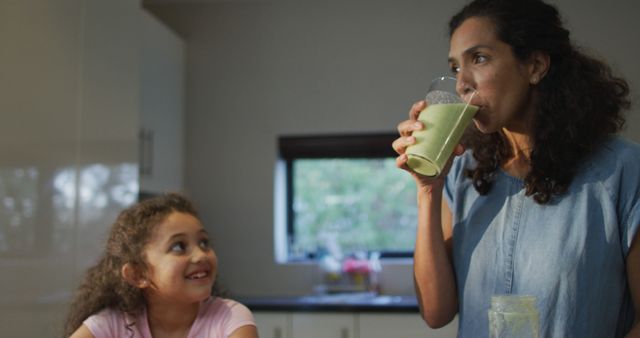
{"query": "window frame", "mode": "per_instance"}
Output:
(343, 146)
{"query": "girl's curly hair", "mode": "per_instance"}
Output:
(103, 286)
(580, 100)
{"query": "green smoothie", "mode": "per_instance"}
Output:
(444, 125)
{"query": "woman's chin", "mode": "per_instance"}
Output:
(483, 128)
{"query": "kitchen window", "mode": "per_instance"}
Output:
(342, 195)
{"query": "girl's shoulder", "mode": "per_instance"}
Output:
(105, 317)
(113, 323)
(217, 306)
(219, 317)
(214, 302)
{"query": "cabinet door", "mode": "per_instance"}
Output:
(69, 105)
(273, 324)
(401, 325)
(162, 108)
(322, 325)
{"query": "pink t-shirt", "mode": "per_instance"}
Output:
(217, 318)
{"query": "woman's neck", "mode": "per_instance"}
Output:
(519, 162)
(518, 135)
(170, 320)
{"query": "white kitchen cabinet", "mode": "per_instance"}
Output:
(348, 325)
(70, 107)
(109, 106)
(401, 325)
(322, 325)
(305, 325)
(162, 108)
(273, 324)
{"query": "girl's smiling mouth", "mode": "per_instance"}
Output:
(199, 274)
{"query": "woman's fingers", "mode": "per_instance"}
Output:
(415, 110)
(401, 162)
(401, 144)
(458, 150)
(405, 128)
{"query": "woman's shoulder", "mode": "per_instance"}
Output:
(616, 165)
(616, 154)
(621, 146)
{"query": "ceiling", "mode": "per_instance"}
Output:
(164, 2)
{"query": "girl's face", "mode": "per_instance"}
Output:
(182, 266)
(483, 63)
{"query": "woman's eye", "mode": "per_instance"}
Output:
(454, 69)
(178, 247)
(479, 58)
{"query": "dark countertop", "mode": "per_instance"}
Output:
(357, 302)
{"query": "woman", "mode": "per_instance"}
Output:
(546, 199)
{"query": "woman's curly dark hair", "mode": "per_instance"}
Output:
(580, 101)
(103, 285)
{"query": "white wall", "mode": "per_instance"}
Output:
(257, 70)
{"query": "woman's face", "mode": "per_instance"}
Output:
(483, 63)
(182, 265)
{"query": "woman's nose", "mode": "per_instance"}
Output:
(464, 84)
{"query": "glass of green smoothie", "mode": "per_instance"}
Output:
(514, 316)
(445, 119)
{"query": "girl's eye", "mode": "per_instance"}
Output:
(204, 243)
(454, 69)
(178, 247)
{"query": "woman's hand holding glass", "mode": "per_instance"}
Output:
(406, 129)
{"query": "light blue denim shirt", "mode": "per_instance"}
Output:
(569, 253)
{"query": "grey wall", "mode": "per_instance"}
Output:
(257, 70)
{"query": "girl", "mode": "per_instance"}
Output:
(546, 200)
(156, 279)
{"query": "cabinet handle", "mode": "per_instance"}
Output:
(150, 152)
(344, 333)
(142, 149)
(146, 152)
